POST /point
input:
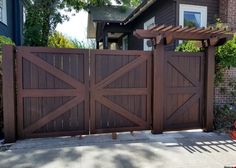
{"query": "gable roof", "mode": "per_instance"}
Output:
(110, 13)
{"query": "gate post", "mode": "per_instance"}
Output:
(9, 94)
(158, 87)
(209, 98)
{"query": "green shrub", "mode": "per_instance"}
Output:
(5, 40)
(225, 58)
(188, 46)
(224, 117)
(58, 40)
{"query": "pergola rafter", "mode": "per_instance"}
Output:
(159, 33)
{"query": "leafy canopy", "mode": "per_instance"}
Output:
(43, 16)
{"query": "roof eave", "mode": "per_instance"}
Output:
(141, 8)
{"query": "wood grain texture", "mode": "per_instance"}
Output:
(120, 91)
(53, 92)
(184, 85)
(209, 92)
(9, 111)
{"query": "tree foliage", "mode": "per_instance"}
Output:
(41, 20)
(43, 16)
(225, 58)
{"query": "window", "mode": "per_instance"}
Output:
(193, 16)
(148, 25)
(125, 43)
(3, 11)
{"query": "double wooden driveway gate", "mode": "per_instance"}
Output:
(71, 91)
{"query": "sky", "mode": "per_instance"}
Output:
(76, 27)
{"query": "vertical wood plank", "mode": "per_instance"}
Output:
(9, 94)
(86, 80)
(92, 93)
(209, 97)
(158, 88)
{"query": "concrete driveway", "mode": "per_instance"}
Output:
(143, 150)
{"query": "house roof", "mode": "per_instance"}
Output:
(118, 13)
(140, 9)
(110, 13)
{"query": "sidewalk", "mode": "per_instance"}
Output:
(143, 150)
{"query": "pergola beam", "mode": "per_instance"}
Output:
(170, 33)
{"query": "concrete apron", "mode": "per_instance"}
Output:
(142, 149)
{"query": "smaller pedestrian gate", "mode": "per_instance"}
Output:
(73, 91)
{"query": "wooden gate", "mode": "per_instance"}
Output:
(184, 86)
(120, 91)
(53, 92)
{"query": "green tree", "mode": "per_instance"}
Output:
(41, 20)
(43, 16)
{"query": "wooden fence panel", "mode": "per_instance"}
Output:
(53, 92)
(120, 91)
(184, 86)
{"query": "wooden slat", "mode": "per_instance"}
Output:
(121, 111)
(158, 28)
(53, 115)
(183, 108)
(166, 29)
(121, 71)
(9, 94)
(217, 32)
(51, 92)
(182, 29)
(171, 33)
(51, 69)
(189, 30)
(123, 91)
(205, 30)
(198, 30)
(183, 90)
(174, 29)
(182, 71)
